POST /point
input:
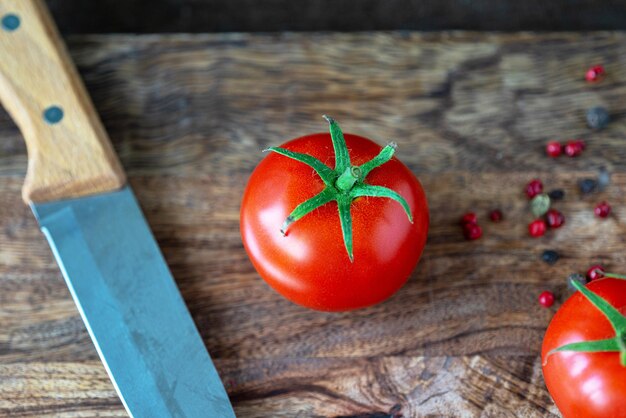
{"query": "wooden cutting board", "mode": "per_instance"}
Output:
(189, 116)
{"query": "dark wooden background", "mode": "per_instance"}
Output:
(189, 115)
(471, 112)
(155, 16)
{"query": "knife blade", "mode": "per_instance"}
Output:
(116, 274)
(131, 306)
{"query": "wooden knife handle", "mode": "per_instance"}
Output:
(69, 152)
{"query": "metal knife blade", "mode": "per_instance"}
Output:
(132, 308)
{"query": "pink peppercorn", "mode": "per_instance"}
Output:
(602, 210)
(595, 272)
(574, 148)
(546, 299)
(469, 218)
(595, 73)
(554, 218)
(554, 149)
(533, 188)
(537, 228)
(495, 215)
(472, 232)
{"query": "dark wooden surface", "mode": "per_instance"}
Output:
(157, 16)
(189, 115)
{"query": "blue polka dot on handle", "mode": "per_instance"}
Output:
(10, 22)
(53, 114)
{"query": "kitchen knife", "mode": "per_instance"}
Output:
(77, 190)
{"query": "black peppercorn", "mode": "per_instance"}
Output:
(550, 256)
(556, 194)
(604, 178)
(597, 117)
(587, 186)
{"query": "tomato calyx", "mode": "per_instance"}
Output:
(615, 318)
(343, 184)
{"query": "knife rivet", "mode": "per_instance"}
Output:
(10, 22)
(53, 114)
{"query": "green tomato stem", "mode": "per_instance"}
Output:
(342, 156)
(621, 342)
(342, 184)
(614, 276)
(347, 179)
(615, 318)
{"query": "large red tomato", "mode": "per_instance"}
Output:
(311, 264)
(584, 383)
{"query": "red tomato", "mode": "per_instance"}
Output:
(585, 384)
(310, 265)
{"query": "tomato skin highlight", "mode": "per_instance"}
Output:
(310, 265)
(586, 384)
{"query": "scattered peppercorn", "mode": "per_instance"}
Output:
(577, 277)
(550, 256)
(546, 299)
(539, 205)
(595, 73)
(537, 228)
(597, 117)
(602, 210)
(554, 148)
(495, 215)
(587, 186)
(469, 218)
(595, 272)
(580, 143)
(472, 232)
(604, 178)
(556, 194)
(534, 188)
(554, 218)
(574, 148)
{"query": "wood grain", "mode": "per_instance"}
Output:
(69, 157)
(381, 387)
(189, 115)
